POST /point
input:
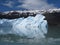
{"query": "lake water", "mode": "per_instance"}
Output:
(32, 42)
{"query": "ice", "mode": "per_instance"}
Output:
(31, 27)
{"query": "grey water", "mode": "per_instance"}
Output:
(12, 39)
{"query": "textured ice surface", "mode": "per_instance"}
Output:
(31, 27)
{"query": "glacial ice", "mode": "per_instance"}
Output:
(31, 27)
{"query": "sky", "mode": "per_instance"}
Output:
(8, 5)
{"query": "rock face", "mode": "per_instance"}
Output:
(53, 18)
(15, 14)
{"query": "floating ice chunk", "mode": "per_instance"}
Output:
(32, 27)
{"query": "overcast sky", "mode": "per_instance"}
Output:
(7, 5)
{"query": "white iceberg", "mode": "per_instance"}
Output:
(31, 27)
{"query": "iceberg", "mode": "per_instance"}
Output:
(31, 27)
